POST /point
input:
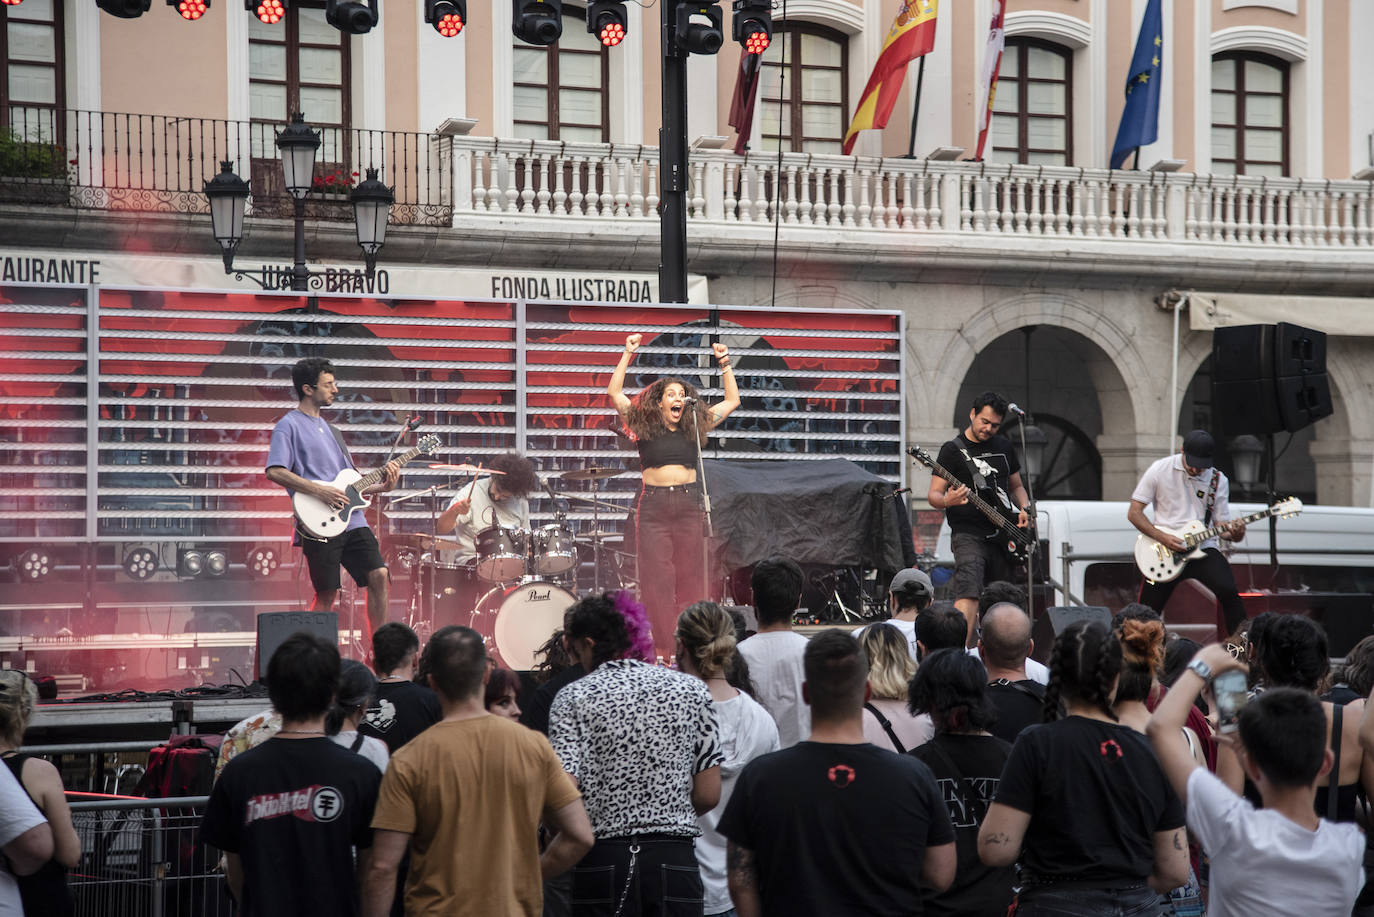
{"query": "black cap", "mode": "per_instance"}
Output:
(1197, 449)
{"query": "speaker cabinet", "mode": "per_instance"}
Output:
(275, 626)
(1057, 619)
(1267, 378)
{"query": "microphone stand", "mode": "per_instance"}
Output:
(709, 528)
(1030, 514)
(407, 427)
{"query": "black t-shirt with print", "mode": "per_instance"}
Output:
(996, 461)
(403, 710)
(837, 829)
(1096, 796)
(293, 810)
(967, 769)
(1018, 704)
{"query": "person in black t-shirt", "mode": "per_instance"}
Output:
(1083, 804)
(1004, 642)
(967, 761)
(985, 464)
(289, 813)
(404, 709)
(835, 825)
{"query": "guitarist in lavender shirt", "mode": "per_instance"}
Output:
(985, 461)
(1185, 487)
(306, 450)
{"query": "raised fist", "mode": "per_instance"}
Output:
(632, 342)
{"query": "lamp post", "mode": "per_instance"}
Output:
(297, 144)
(1246, 452)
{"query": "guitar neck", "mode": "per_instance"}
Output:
(986, 508)
(1220, 527)
(375, 475)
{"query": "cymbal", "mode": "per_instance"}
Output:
(429, 542)
(591, 473)
(465, 467)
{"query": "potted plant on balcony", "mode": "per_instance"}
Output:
(32, 170)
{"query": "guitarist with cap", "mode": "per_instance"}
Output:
(306, 450)
(984, 464)
(1184, 487)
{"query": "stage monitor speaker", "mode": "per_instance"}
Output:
(1057, 619)
(275, 626)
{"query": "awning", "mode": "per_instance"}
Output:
(1344, 316)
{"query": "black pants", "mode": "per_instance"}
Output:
(665, 879)
(1211, 570)
(671, 541)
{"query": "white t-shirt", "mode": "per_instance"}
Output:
(17, 815)
(373, 749)
(1179, 498)
(746, 731)
(1264, 864)
(483, 513)
(775, 668)
(908, 629)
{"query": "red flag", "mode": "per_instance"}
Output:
(992, 65)
(742, 102)
(911, 36)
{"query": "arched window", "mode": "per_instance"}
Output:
(1032, 120)
(804, 105)
(561, 90)
(1249, 114)
(31, 90)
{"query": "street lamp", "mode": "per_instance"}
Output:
(1033, 442)
(297, 144)
(1246, 452)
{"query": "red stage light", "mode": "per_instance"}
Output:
(10, 2)
(191, 9)
(449, 25)
(757, 43)
(270, 11)
(612, 34)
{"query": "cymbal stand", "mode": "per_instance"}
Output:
(708, 528)
(596, 537)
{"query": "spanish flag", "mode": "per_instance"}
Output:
(911, 36)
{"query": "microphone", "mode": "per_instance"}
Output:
(1014, 409)
(898, 492)
(413, 422)
(689, 401)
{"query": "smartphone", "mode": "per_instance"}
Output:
(1230, 691)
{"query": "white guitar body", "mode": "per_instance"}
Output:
(320, 519)
(1158, 563)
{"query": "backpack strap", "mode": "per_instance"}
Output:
(887, 727)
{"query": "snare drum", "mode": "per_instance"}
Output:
(500, 554)
(553, 551)
(526, 616)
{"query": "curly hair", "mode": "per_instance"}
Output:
(18, 694)
(518, 478)
(707, 633)
(597, 618)
(1083, 664)
(1293, 653)
(951, 686)
(553, 657)
(1142, 657)
(890, 665)
(644, 419)
(1358, 670)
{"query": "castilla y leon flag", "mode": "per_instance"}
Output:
(992, 65)
(911, 36)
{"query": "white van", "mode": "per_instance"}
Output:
(1087, 559)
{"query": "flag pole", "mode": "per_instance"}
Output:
(916, 108)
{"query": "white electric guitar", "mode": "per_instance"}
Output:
(320, 520)
(1160, 564)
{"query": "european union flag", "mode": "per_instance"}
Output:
(1140, 119)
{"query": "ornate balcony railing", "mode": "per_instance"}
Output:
(620, 182)
(157, 163)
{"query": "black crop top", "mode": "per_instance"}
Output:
(669, 448)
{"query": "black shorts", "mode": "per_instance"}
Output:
(977, 562)
(357, 550)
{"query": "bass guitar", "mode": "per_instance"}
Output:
(1160, 564)
(1013, 539)
(320, 520)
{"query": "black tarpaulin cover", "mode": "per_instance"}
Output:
(815, 512)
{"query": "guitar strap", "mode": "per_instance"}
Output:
(338, 438)
(1211, 498)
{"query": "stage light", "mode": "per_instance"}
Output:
(607, 20)
(10, 2)
(699, 26)
(140, 563)
(447, 16)
(125, 9)
(752, 25)
(263, 561)
(34, 565)
(351, 17)
(537, 22)
(190, 563)
(190, 9)
(269, 11)
(216, 562)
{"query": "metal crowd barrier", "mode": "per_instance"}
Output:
(142, 858)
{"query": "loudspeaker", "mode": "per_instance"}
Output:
(275, 626)
(1267, 378)
(1057, 619)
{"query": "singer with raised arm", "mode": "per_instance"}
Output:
(497, 500)
(984, 465)
(1184, 488)
(307, 456)
(668, 422)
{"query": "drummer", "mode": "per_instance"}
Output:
(498, 500)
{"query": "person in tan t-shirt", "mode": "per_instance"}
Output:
(467, 796)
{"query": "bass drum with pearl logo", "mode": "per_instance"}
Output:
(526, 616)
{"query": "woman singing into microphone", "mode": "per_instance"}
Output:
(669, 531)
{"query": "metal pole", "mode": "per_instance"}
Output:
(672, 169)
(916, 108)
(300, 275)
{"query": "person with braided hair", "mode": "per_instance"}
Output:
(1083, 804)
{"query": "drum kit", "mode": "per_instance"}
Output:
(515, 590)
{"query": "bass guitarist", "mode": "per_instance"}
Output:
(306, 450)
(984, 461)
(1185, 487)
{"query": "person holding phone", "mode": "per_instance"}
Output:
(1263, 860)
